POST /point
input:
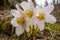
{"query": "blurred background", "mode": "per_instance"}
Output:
(5, 15)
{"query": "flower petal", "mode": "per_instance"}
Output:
(25, 5)
(30, 22)
(18, 8)
(15, 13)
(13, 22)
(33, 21)
(50, 19)
(31, 5)
(27, 28)
(19, 30)
(50, 2)
(41, 2)
(48, 9)
(41, 25)
(38, 10)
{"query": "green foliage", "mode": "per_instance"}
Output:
(54, 30)
(52, 27)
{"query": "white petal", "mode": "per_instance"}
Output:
(31, 5)
(33, 21)
(41, 25)
(38, 10)
(25, 5)
(48, 9)
(27, 25)
(30, 22)
(15, 13)
(27, 28)
(41, 2)
(50, 19)
(19, 30)
(13, 22)
(18, 8)
(50, 2)
(29, 0)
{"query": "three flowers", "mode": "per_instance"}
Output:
(30, 15)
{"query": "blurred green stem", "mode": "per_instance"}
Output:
(25, 34)
(33, 34)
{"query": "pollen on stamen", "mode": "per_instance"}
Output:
(20, 21)
(41, 17)
(28, 13)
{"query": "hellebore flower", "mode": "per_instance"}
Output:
(43, 15)
(18, 21)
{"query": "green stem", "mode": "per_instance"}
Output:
(26, 35)
(33, 36)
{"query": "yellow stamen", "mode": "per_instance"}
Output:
(20, 21)
(41, 17)
(28, 13)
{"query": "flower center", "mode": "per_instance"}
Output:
(41, 17)
(28, 13)
(20, 21)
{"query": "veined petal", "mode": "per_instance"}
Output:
(31, 5)
(48, 9)
(41, 25)
(50, 2)
(33, 21)
(18, 8)
(28, 24)
(25, 5)
(27, 27)
(50, 19)
(19, 30)
(38, 10)
(15, 13)
(14, 23)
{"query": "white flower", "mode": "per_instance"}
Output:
(43, 15)
(18, 21)
(41, 3)
(50, 1)
(28, 10)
